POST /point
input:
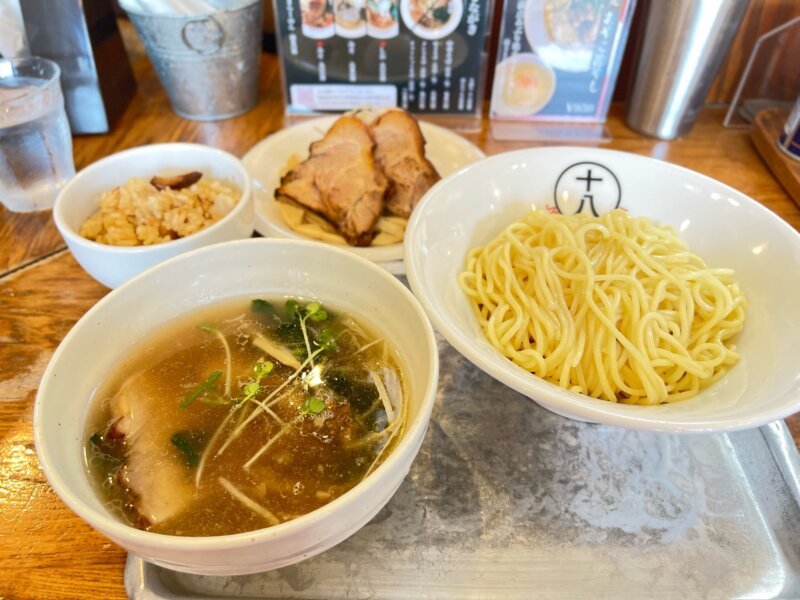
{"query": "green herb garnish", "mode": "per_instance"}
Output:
(250, 390)
(292, 309)
(312, 406)
(201, 389)
(262, 369)
(182, 443)
(253, 387)
(327, 338)
(315, 312)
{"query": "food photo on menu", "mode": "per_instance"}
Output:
(399, 299)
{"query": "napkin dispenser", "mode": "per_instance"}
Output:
(83, 38)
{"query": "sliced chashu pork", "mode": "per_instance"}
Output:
(340, 180)
(153, 471)
(400, 153)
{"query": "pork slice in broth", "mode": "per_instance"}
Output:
(152, 471)
(400, 153)
(340, 180)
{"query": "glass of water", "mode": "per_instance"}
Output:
(35, 143)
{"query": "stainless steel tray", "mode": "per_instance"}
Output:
(507, 500)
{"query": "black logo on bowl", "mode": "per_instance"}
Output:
(586, 187)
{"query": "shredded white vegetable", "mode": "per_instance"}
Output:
(228, 360)
(367, 346)
(387, 405)
(201, 465)
(248, 502)
(279, 353)
(266, 446)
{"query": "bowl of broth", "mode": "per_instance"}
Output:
(240, 407)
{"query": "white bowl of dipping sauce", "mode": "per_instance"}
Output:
(113, 265)
(244, 269)
(722, 226)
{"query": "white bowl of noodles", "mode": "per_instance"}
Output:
(725, 228)
(247, 269)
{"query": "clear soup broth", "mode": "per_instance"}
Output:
(243, 416)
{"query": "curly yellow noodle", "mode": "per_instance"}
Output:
(612, 307)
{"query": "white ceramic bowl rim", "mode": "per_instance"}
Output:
(553, 396)
(114, 527)
(60, 209)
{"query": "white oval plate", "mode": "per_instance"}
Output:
(723, 226)
(264, 162)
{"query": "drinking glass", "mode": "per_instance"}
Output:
(35, 143)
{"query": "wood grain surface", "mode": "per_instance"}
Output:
(45, 550)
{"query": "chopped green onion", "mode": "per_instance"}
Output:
(312, 406)
(201, 389)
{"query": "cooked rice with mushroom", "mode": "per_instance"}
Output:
(139, 213)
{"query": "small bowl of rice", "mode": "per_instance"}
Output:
(132, 210)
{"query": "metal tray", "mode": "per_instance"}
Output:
(507, 500)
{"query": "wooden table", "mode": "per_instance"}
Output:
(45, 550)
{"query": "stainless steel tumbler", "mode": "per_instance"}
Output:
(683, 46)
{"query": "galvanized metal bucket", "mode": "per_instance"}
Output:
(209, 64)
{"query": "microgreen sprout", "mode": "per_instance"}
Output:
(250, 390)
(315, 312)
(312, 406)
(327, 338)
(253, 387)
(262, 369)
(292, 309)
